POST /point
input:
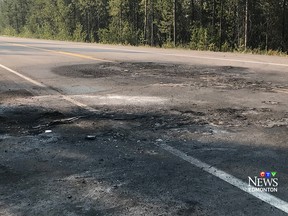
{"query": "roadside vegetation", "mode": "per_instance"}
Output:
(255, 26)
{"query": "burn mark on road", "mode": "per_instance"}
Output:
(223, 77)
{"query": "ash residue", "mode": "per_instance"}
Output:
(224, 77)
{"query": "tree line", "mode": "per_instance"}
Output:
(218, 25)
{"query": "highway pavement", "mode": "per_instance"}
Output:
(93, 129)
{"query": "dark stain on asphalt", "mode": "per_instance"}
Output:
(224, 77)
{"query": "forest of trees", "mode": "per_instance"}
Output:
(218, 25)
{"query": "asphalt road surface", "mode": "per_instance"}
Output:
(89, 129)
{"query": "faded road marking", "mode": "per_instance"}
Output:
(227, 59)
(197, 57)
(62, 52)
(281, 90)
(116, 100)
(266, 197)
(79, 104)
(156, 53)
(65, 97)
(23, 77)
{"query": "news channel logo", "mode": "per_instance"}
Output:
(264, 182)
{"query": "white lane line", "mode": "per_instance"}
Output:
(228, 59)
(266, 197)
(79, 104)
(65, 97)
(23, 77)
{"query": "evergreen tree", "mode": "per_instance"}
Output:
(201, 24)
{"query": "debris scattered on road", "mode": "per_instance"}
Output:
(157, 124)
(271, 102)
(270, 123)
(64, 121)
(40, 127)
(90, 137)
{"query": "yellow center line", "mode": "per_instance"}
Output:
(62, 53)
(96, 59)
